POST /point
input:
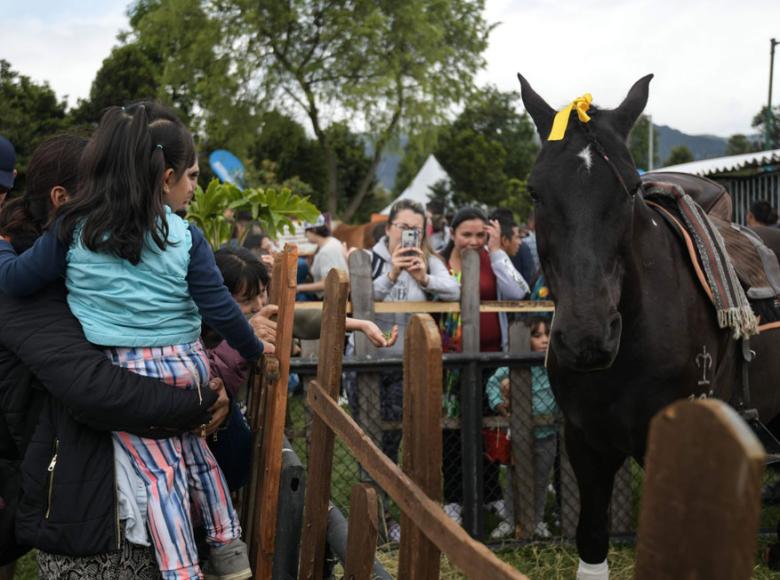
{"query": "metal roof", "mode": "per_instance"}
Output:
(729, 164)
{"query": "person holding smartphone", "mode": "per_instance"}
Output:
(404, 269)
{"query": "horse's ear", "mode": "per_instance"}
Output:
(624, 117)
(540, 111)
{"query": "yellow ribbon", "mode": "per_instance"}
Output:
(561, 121)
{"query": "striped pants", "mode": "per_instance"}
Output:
(178, 470)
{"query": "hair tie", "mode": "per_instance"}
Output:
(159, 146)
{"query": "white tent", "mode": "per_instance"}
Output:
(419, 188)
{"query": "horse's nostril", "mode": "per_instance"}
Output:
(615, 327)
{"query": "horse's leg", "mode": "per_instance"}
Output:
(595, 471)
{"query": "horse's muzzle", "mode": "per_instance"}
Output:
(587, 351)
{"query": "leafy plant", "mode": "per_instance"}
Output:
(273, 208)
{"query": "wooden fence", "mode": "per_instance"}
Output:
(426, 530)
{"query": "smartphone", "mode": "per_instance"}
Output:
(410, 239)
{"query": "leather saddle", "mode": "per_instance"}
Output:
(756, 265)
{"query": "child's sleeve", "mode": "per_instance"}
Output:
(37, 267)
(214, 301)
(493, 387)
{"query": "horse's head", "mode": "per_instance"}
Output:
(583, 206)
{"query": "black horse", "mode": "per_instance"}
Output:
(633, 328)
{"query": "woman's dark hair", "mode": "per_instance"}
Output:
(462, 215)
(764, 213)
(243, 272)
(120, 195)
(53, 163)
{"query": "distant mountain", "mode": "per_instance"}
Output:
(702, 146)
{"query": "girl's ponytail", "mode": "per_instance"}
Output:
(120, 198)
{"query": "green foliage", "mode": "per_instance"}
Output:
(195, 71)
(739, 144)
(273, 208)
(679, 154)
(128, 74)
(29, 113)
(759, 122)
(488, 146)
(638, 141)
(387, 66)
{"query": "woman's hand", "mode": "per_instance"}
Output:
(493, 230)
(401, 259)
(373, 332)
(418, 268)
(219, 410)
(268, 262)
(264, 327)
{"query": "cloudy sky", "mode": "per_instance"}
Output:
(710, 57)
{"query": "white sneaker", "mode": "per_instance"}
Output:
(454, 510)
(394, 531)
(502, 530)
(542, 531)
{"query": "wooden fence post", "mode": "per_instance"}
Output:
(471, 398)
(362, 532)
(521, 424)
(702, 495)
(419, 558)
(320, 463)
(362, 296)
(283, 288)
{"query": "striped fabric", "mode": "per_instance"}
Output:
(731, 303)
(178, 469)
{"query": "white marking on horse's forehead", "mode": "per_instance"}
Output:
(586, 156)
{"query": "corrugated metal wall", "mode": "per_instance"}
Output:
(746, 190)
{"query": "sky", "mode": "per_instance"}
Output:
(710, 57)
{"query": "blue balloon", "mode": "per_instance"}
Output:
(227, 167)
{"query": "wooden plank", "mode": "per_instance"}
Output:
(469, 555)
(283, 289)
(362, 291)
(471, 389)
(415, 307)
(362, 532)
(702, 495)
(522, 425)
(256, 407)
(320, 464)
(419, 558)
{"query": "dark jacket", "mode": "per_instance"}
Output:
(59, 399)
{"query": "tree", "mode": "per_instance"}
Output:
(387, 67)
(638, 142)
(679, 154)
(128, 74)
(487, 146)
(759, 122)
(29, 113)
(739, 144)
(195, 73)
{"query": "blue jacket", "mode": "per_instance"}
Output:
(154, 303)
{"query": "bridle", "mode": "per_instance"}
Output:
(593, 140)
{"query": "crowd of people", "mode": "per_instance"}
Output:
(127, 343)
